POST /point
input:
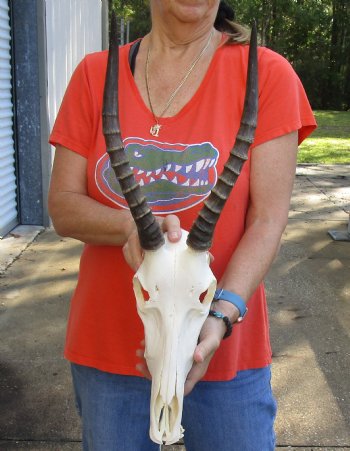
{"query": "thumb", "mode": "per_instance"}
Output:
(171, 225)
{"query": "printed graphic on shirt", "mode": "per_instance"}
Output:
(173, 177)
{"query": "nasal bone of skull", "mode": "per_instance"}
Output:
(167, 406)
(169, 370)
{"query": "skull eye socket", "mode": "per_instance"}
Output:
(207, 296)
(203, 295)
(145, 294)
(141, 294)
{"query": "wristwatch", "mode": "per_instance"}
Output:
(235, 299)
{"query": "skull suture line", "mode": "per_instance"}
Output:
(174, 274)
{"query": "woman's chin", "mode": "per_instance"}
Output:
(188, 11)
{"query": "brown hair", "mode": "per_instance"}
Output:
(237, 34)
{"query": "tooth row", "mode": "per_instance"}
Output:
(175, 181)
(202, 164)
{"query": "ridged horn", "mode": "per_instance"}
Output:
(201, 234)
(150, 234)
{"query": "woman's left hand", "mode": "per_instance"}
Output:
(209, 340)
(212, 333)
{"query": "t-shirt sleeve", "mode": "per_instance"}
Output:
(283, 104)
(75, 120)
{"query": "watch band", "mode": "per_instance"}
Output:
(235, 299)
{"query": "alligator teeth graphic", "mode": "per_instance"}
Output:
(199, 165)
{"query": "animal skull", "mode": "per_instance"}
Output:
(174, 277)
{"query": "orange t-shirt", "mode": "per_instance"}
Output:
(177, 171)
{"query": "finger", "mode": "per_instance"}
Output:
(140, 353)
(143, 369)
(206, 348)
(171, 225)
(142, 366)
(136, 250)
(134, 261)
(198, 370)
(133, 253)
(202, 356)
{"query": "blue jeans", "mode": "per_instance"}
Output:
(235, 415)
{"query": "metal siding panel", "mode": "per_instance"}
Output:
(8, 197)
(73, 29)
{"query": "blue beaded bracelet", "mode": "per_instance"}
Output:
(225, 319)
(234, 299)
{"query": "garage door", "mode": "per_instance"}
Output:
(8, 197)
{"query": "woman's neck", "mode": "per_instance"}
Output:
(181, 44)
(179, 26)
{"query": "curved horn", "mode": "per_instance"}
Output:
(150, 234)
(201, 234)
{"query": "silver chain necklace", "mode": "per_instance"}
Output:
(155, 129)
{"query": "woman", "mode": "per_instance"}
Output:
(181, 92)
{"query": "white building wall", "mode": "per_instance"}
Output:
(73, 29)
(8, 196)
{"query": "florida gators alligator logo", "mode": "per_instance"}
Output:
(173, 177)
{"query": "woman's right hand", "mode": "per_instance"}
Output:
(133, 253)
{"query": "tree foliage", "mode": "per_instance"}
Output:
(314, 35)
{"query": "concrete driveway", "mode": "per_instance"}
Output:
(309, 302)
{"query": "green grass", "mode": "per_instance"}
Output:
(330, 143)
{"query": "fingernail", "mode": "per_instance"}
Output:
(174, 235)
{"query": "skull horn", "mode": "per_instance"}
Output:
(201, 234)
(150, 234)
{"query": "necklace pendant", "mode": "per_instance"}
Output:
(155, 129)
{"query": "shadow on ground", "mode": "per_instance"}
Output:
(309, 302)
